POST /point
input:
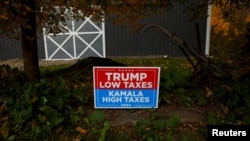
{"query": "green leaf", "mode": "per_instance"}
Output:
(80, 110)
(74, 118)
(44, 100)
(26, 96)
(59, 103)
(97, 117)
(59, 83)
(169, 136)
(105, 128)
(212, 118)
(103, 131)
(173, 121)
(21, 115)
(12, 138)
(50, 112)
(159, 124)
(56, 120)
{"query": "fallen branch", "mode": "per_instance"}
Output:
(199, 57)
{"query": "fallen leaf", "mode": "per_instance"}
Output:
(77, 139)
(81, 130)
(5, 130)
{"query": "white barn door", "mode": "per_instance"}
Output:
(82, 39)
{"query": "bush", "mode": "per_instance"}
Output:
(36, 108)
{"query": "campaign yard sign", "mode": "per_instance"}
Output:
(126, 87)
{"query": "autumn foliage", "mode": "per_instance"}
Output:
(228, 33)
(223, 25)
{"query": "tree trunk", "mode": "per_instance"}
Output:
(29, 43)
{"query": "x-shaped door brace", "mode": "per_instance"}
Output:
(75, 33)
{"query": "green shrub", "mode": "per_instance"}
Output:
(173, 77)
(236, 97)
(39, 107)
(97, 125)
(173, 80)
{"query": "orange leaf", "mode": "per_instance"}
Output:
(81, 130)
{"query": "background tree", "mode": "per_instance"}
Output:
(22, 19)
(228, 33)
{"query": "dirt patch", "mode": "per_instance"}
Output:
(127, 118)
